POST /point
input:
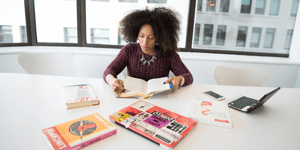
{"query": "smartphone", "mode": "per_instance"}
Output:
(214, 95)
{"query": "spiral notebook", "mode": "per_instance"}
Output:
(158, 125)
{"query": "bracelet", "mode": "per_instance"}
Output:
(182, 81)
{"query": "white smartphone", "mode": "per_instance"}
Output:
(214, 95)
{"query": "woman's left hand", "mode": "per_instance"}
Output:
(175, 80)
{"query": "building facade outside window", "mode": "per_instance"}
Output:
(255, 37)
(208, 33)
(274, 7)
(99, 36)
(288, 39)
(221, 35)
(197, 33)
(70, 35)
(199, 5)
(210, 5)
(241, 36)
(23, 34)
(157, 1)
(246, 6)
(260, 7)
(249, 28)
(294, 8)
(6, 35)
(269, 38)
(129, 1)
(224, 6)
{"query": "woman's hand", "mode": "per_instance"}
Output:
(117, 85)
(175, 80)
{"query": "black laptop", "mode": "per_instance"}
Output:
(247, 104)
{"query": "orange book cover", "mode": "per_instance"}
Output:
(78, 133)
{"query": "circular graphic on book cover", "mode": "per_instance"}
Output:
(82, 127)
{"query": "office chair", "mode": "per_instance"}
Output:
(240, 76)
(45, 63)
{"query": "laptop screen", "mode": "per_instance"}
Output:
(266, 97)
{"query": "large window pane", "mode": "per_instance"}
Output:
(221, 34)
(12, 16)
(288, 40)
(56, 21)
(274, 7)
(260, 7)
(107, 15)
(294, 8)
(248, 27)
(246, 6)
(100, 36)
(208, 32)
(269, 38)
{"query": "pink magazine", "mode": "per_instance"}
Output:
(159, 125)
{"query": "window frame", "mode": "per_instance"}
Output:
(81, 30)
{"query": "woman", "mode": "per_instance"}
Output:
(155, 55)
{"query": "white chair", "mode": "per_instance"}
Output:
(45, 63)
(240, 76)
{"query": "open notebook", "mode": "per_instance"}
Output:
(159, 125)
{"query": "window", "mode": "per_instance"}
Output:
(197, 33)
(269, 38)
(70, 35)
(199, 5)
(255, 38)
(242, 36)
(157, 1)
(121, 40)
(274, 7)
(51, 18)
(294, 8)
(246, 6)
(6, 34)
(224, 6)
(288, 39)
(108, 15)
(221, 34)
(210, 5)
(208, 32)
(23, 34)
(100, 36)
(130, 1)
(260, 7)
(101, 0)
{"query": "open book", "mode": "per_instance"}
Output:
(140, 88)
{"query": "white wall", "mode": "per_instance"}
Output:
(91, 63)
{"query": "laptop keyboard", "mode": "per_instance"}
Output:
(243, 102)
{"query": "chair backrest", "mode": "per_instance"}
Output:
(45, 63)
(240, 76)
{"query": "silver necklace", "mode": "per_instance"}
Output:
(147, 61)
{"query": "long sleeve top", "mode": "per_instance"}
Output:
(130, 56)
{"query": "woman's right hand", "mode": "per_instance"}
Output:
(117, 85)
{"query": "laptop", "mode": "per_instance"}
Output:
(161, 126)
(247, 104)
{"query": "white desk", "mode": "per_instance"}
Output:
(29, 103)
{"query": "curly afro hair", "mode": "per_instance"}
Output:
(165, 24)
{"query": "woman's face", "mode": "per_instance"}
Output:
(147, 39)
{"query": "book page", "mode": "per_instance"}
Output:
(157, 85)
(135, 85)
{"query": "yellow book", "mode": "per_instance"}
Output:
(78, 133)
